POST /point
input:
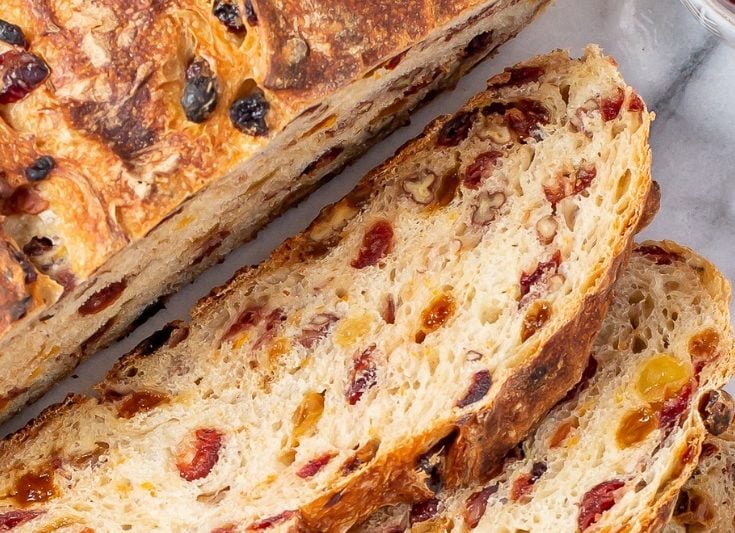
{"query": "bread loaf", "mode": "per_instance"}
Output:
(411, 336)
(131, 128)
(614, 453)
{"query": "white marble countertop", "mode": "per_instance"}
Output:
(683, 73)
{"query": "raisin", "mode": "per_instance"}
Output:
(34, 487)
(476, 505)
(446, 190)
(363, 376)
(529, 280)
(716, 408)
(271, 521)
(635, 427)
(514, 77)
(596, 501)
(40, 168)
(479, 387)
(38, 246)
(376, 244)
(200, 91)
(12, 34)
(423, 511)
(228, 13)
(313, 467)
(610, 107)
(139, 402)
(478, 43)
(317, 329)
(496, 108)
(307, 414)
(537, 316)
(250, 14)
(155, 340)
(524, 483)
(438, 312)
(525, 116)
(207, 444)
(674, 407)
(248, 113)
(17, 518)
(20, 73)
(103, 298)
(657, 254)
(562, 432)
(480, 168)
(455, 130)
(703, 346)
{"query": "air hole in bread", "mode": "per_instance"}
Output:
(623, 185)
(564, 92)
(639, 344)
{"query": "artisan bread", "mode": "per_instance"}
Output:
(134, 128)
(443, 306)
(614, 453)
(707, 501)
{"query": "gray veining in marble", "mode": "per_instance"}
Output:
(684, 74)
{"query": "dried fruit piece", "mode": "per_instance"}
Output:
(476, 505)
(456, 130)
(228, 13)
(12, 34)
(38, 246)
(423, 511)
(525, 116)
(481, 383)
(658, 254)
(562, 432)
(596, 501)
(207, 444)
(524, 483)
(200, 91)
(514, 77)
(20, 73)
(313, 467)
(307, 414)
(716, 408)
(103, 298)
(538, 315)
(635, 427)
(703, 348)
(363, 376)
(250, 14)
(317, 329)
(481, 168)
(16, 518)
(40, 168)
(487, 207)
(34, 487)
(567, 184)
(636, 103)
(610, 107)
(376, 244)
(139, 402)
(674, 407)
(438, 312)
(389, 310)
(271, 323)
(266, 523)
(447, 189)
(246, 319)
(661, 377)
(528, 281)
(363, 456)
(248, 113)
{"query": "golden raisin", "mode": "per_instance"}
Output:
(308, 413)
(438, 312)
(661, 377)
(34, 487)
(635, 427)
(537, 316)
(562, 432)
(704, 344)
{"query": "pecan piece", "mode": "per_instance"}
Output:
(716, 408)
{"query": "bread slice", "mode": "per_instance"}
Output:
(707, 501)
(445, 304)
(614, 453)
(116, 157)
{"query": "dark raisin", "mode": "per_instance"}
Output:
(479, 387)
(103, 298)
(38, 246)
(248, 113)
(716, 408)
(20, 73)
(40, 168)
(478, 43)
(228, 13)
(250, 14)
(200, 91)
(156, 340)
(456, 129)
(423, 511)
(12, 34)
(496, 108)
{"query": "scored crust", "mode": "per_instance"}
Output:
(313, 375)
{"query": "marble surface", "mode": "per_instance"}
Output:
(684, 74)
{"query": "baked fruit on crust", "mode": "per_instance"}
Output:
(614, 454)
(117, 116)
(407, 339)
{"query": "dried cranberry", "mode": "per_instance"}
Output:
(478, 170)
(610, 107)
(524, 483)
(636, 103)
(247, 318)
(269, 522)
(40, 168)
(583, 178)
(17, 518)
(478, 43)
(658, 254)
(514, 77)
(20, 73)
(272, 321)
(364, 376)
(314, 466)
(674, 407)
(525, 116)
(317, 329)
(423, 511)
(228, 13)
(376, 244)
(200, 91)
(529, 280)
(12, 34)
(476, 505)
(248, 113)
(456, 129)
(206, 454)
(596, 501)
(103, 298)
(250, 14)
(479, 387)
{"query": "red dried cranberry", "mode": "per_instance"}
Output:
(40, 168)
(478, 170)
(529, 280)
(266, 523)
(674, 407)
(584, 178)
(20, 73)
(272, 321)
(200, 91)
(17, 518)
(376, 244)
(476, 505)
(423, 511)
(596, 501)
(478, 43)
(524, 483)
(456, 129)
(518, 76)
(247, 318)
(314, 466)
(12, 34)
(658, 254)
(103, 298)
(317, 329)
(481, 383)
(525, 116)
(228, 13)
(610, 107)
(248, 113)
(206, 454)
(636, 103)
(250, 14)
(364, 376)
